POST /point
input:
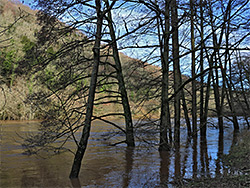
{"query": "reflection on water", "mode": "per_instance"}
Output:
(204, 160)
(129, 159)
(164, 167)
(112, 166)
(219, 154)
(195, 164)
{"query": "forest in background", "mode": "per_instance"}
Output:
(70, 72)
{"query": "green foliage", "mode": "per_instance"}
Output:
(11, 30)
(80, 84)
(9, 64)
(132, 96)
(1, 8)
(105, 87)
(49, 77)
(50, 52)
(7, 59)
(27, 43)
(30, 84)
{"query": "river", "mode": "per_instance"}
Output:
(111, 166)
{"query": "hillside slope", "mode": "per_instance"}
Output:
(21, 29)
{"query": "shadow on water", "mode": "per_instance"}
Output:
(115, 166)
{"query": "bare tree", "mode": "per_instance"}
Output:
(194, 96)
(165, 121)
(177, 73)
(122, 88)
(91, 97)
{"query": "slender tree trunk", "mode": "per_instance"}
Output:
(244, 95)
(87, 123)
(185, 109)
(207, 94)
(230, 97)
(231, 100)
(218, 91)
(218, 96)
(166, 60)
(217, 100)
(194, 97)
(125, 102)
(205, 114)
(203, 126)
(177, 73)
(165, 122)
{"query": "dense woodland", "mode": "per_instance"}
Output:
(65, 63)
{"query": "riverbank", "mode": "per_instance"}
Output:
(238, 165)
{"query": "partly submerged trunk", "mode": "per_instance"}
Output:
(194, 99)
(185, 109)
(177, 73)
(218, 100)
(87, 123)
(203, 125)
(228, 79)
(125, 102)
(165, 122)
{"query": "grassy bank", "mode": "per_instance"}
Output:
(237, 162)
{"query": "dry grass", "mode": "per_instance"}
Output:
(14, 104)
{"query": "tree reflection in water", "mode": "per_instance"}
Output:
(194, 147)
(219, 154)
(164, 167)
(186, 155)
(129, 160)
(116, 166)
(75, 182)
(204, 159)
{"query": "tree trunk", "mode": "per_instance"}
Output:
(217, 98)
(125, 102)
(194, 103)
(165, 122)
(218, 91)
(203, 126)
(230, 97)
(177, 73)
(87, 123)
(244, 95)
(185, 109)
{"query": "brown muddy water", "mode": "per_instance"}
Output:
(112, 166)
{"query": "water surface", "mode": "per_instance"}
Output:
(112, 166)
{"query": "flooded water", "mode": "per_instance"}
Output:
(112, 166)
